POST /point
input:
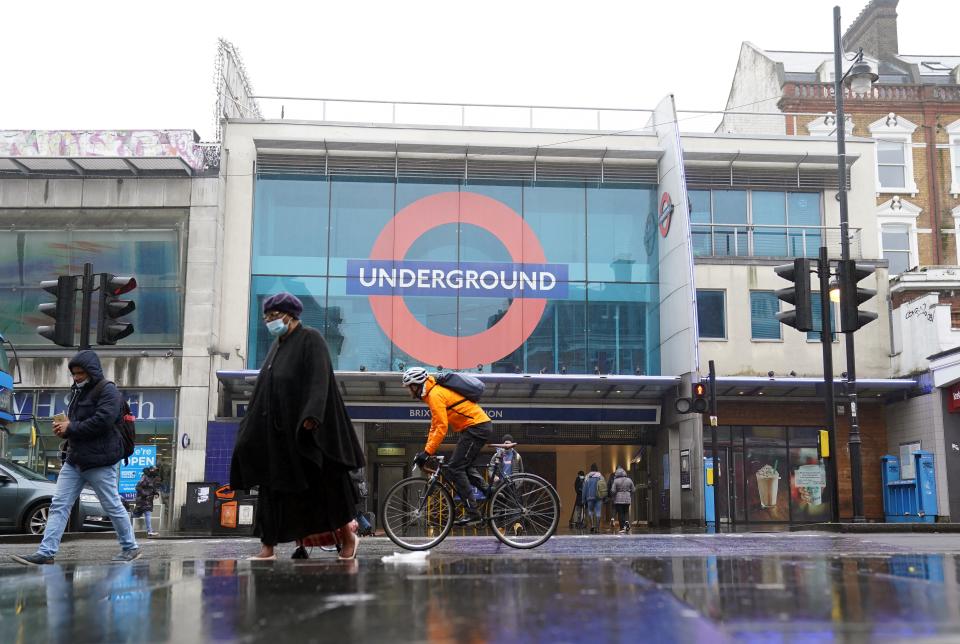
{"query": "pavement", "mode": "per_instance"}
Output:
(769, 587)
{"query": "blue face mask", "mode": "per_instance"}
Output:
(277, 327)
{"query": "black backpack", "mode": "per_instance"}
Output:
(125, 424)
(470, 387)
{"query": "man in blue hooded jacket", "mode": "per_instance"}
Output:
(94, 448)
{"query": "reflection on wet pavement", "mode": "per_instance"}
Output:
(597, 589)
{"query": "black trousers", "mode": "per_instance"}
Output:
(623, 515)
(461, 467)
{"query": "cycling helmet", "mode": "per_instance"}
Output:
(414, 376)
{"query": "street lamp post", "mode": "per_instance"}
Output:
(860, 77)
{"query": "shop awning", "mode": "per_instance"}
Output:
(793, 387)
(501, 387)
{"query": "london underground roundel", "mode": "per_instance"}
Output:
(387, 278)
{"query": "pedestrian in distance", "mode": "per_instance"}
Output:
(296, 441)
(148, 487)
(92, 450)
(622, 493)
(611, 510)
(511, 462)
(576, 515)
(594, 492)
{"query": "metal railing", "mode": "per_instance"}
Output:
(457, 114)
(761, 240)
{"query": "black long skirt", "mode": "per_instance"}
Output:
(328, 503)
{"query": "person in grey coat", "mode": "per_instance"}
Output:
(622, 493)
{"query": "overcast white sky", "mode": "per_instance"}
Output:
(150, 64)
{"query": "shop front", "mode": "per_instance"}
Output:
(32, 443)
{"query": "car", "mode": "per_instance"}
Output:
(25, 502)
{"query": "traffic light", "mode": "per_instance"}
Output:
(798, 295)
(64, 288)
(849, 272)
(697, 403)
(109, 328)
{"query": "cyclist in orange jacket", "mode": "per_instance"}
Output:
(450, 410)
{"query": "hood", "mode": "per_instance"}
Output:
(595, 475)
(619, 473)
(89, 362)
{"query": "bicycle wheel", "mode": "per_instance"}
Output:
(416, 514)
(524, 511)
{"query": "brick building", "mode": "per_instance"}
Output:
(912, 114)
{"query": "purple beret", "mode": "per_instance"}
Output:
(284, 303)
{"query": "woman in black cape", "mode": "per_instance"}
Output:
(296, 441)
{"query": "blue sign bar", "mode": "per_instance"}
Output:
(634, 415)
(452, 279)
(145, 404)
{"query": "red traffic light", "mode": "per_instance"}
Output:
(699, 390)
(116, 285)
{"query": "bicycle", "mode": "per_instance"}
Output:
(522, 510)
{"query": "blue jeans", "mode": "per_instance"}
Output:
(71, 482)
(593, 510)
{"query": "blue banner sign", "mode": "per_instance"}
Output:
(145, 404)
(452, 279)
(609, 415)
(634, 415)
(143, 456)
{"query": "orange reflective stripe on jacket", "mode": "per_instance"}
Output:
(448, 409)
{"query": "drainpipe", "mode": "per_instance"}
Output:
(934, 187)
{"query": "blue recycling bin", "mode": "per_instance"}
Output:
(910, 500)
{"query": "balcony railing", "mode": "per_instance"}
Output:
(879, 92)
(759, 240)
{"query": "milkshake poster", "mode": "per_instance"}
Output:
(768, 497)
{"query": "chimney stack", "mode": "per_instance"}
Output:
(875, 30)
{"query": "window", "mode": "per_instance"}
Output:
(897, 228)
(896, 247)
(764, 307)
(953, 132)
(891, 164)
(153, 256)
(711, 316)
(894, 134)
(814, 336)
(755, 223)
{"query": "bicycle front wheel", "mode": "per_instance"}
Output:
(417, 515)
(524, 511)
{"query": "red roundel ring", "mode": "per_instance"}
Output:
(426, 345)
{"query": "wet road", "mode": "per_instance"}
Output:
(664, 588)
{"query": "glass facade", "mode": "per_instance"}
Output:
(601, 316)
(754, 223)
(772, 474)
(28, 257)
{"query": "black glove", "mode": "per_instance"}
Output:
(420, 459)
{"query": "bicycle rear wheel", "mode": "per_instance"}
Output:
(524, 511)
(416, 514)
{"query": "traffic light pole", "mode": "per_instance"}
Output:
(826, 342)
(86, 291)
(714, 446)
(853, 442)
